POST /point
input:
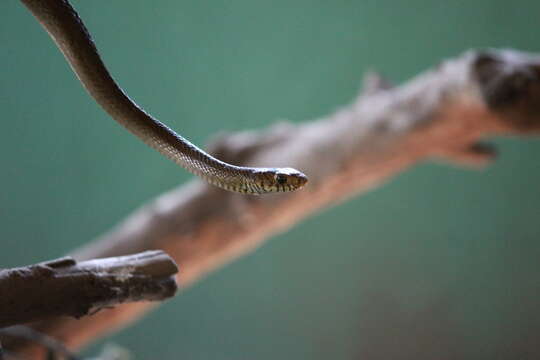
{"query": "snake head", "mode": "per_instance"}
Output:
(280, 180)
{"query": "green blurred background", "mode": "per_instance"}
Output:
(441, 263)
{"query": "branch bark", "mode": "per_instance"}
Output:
(65, 287)
(442, 113)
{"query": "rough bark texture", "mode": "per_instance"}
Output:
(442, 113)
(64, 287)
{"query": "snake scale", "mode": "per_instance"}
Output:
(73, 39)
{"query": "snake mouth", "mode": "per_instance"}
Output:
(301, 180)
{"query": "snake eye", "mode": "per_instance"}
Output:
(281, 179)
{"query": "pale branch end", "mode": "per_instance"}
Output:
(65, 287)
(442, 113)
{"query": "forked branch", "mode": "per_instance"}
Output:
(443, 113)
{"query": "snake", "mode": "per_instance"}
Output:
(73, 39)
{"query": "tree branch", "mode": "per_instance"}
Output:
(64, 287)
(440, 114)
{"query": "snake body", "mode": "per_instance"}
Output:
(73, 39)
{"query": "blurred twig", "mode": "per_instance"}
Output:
(51, 346)
(56, 350)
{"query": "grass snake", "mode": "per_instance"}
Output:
(73, 39)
